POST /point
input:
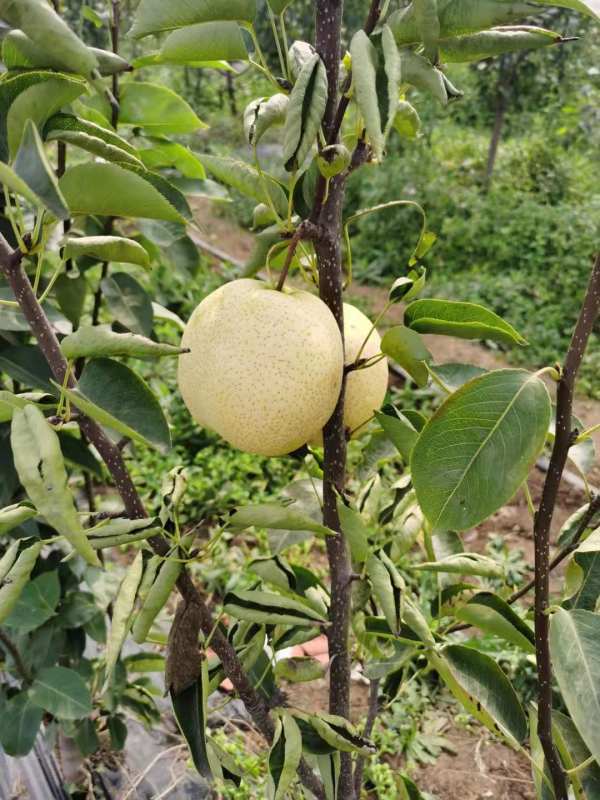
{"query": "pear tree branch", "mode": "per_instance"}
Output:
(563, 441)
(11, 266)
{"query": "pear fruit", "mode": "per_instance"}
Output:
(264, 368)
(365, 388)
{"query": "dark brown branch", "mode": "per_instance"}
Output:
(11, 648)
(543, 520)
(291, 251)
(368, 730)
(10, 263)
(328, 215)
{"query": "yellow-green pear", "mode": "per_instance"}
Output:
(264, 368)
(365, 388)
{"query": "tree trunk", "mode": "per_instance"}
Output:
(328, 216)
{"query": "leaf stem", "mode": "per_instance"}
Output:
(276, 37)
(587, 433)
(437, 380)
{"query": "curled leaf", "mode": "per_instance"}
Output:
(305, 112)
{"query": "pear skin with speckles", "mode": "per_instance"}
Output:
(365, 388)
(264, 368)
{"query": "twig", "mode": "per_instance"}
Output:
(10, 263)
(368, 730)
(593, 509)
(304, 231)
(543, 520)
(9, 645)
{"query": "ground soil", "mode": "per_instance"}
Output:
(479, 767)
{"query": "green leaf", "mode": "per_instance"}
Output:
(479, 446)
(364, 74)
(305, 113)
(10, 180)
(392, 65)
(79, 455)
(246, 179)
(398, 429)
(407, 121)
(276, 517)
(300, 669)
(61, 692)
(388, 586)
(456, 375)
(464, 564)
(38, 102)
(479, 684)
(32, 166)
(408, 286)
(128, 303)
(153, 16)
(122, 613)
(13, 516)
(173, 154)
(107, 248)
(337, 732)
(279, 6)
(191, 712)
(589, 7)
(206, 41)
(156, 108)
(156, 595)
(21, 721)
(110, 190)
(38, 20)
(492, 614)
(418, 71)
(489, 44)
(21, 52)
(110, 63)
(61, 124)
(464, 320)
(90, 137)
(333, 159)
(261, 114)
(26, 364)
(37, 601)
(575, 649)
(456, 18)
(39, 463)
(116, 397)
(270, 608)
(355, 531)
(573, 753)
(70, 291)
(284, 756)
(100, 340)
(408, 350)
(144, 662)
(428, 25)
